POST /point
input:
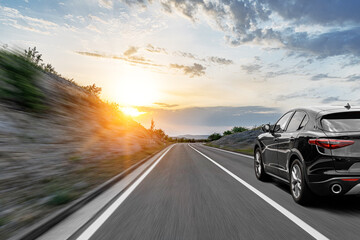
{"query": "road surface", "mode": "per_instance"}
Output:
(198, 192)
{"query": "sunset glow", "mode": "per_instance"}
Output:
(170, 59)
(132, 112)
(136, 88)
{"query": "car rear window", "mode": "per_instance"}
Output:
(341, 122)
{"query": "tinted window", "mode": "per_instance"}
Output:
(296, 121)
(304, 121)
(341, 122)
(281, 124)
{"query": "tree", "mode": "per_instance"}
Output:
(214, 136)
(239, 129)
(33, 55)
(49, 68)
(160, 133)
(152, 126)
(93, 89)
(228, 132)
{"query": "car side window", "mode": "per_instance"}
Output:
(304, 121)
(296, 121)
(281, 124)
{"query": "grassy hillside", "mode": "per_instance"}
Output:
(241, 142)
(58, 140)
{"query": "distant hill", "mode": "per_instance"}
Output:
(189, 136)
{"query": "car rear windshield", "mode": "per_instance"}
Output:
(341, 122)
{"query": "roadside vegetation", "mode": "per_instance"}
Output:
(58, 140)
(238, 139)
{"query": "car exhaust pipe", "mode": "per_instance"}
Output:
(336, 188)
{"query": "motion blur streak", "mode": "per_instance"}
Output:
(97, 224)
(314, 233)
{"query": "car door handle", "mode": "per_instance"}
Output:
(276, 139)
(292, 139)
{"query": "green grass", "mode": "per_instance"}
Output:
(19, 81)
(61, 197)
(3, 221)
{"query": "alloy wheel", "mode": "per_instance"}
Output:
(258, 163)
(296, 181)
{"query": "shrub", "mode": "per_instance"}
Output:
(228, 132)
(93, 89)
(18, 81)
(239, 129)
(214, 136)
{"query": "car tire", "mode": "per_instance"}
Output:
(259, 166)
(298, 186)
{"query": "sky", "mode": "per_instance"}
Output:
(202, 66)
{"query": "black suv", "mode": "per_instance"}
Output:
(316, 150)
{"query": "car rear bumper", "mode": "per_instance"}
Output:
(348, 185)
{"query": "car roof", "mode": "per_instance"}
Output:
(323, 110)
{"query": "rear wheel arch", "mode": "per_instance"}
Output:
(293, 157)
(296, 155)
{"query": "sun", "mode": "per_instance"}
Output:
(137, 88)
(131, 111)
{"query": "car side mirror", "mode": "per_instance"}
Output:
(276, 128)
(266, 128)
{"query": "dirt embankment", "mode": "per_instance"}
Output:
(50, 157)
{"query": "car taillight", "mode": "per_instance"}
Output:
(330, 143)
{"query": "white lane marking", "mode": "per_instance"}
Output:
(240, 154)
(105, 215)
(314, 233)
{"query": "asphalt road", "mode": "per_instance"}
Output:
(187, 196)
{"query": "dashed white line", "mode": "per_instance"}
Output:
(107, 213)
(310, 230)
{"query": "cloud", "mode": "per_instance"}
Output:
(152, 49)
(131, 50)
(94, 18)
(278, 73)
(341, 42)
(333, 99)
(321, 76)
(324, 12)
(129, 59)
(108, 4)
(219, 60)
(187, 55)
(165, 105)
(323, 28)
(251, 68)
(12, 17)
(93, 28)
(212, 59)
(194, 70)
(291, 96)
(353, 78)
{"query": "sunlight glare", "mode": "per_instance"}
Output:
(131, 111)
(137, 88)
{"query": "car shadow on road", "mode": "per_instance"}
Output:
(342, 204)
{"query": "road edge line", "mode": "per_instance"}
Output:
(306, 227)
